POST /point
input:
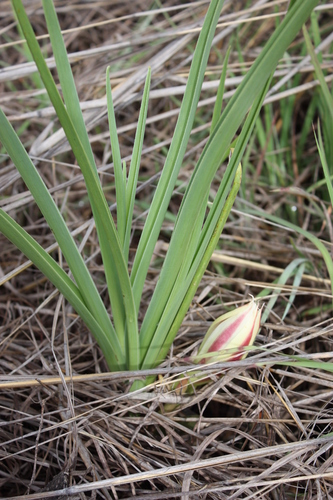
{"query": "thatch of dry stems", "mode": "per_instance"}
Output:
(69, 429)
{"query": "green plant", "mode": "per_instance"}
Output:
(195, 233)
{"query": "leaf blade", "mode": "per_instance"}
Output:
(29, 247)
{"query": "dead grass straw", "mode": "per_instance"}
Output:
(68, 429)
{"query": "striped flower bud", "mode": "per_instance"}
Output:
(229, 334)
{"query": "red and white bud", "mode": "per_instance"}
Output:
(229, 334)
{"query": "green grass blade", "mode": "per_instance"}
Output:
(66, 77)
(114, 281)
(74, 111)
(135, 163)
(192, 284)
(296, 283)
(303, 363)
(218, 143)
(255, 80)
(158, 349)
(217, 146)
(220, 92)
(235, 160)
(56, 222)
(29, 247)
(176, 152)
(282, 280)
(323, 160)
(320, 75)
(92, 296)
(117, 165)
(184, 264)
(112, 251)
(291, 4)
(227, 125)
(314, 240)
(325, 96)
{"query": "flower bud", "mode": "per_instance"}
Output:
(229, 334)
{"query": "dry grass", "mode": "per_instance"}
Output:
(259, 431)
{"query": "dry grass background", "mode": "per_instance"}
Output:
(258, 431)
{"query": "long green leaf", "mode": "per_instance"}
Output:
(195, 197)
(56, 222)
(29, 247)
(92, 296)
(99, 205)
(176, 152)
(183, 242)
(66, 78)
(74, 111)
(323, 160)
(320, 75)
(159, 346)
(220, 91)
(296, 283)
(282, 280)
(135, 163)
(159, 326)
(117, 165)
(245, 95)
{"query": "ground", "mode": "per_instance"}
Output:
(261, 427)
